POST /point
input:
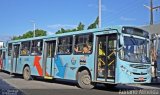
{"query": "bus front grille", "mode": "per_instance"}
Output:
(140, 73)
(139, 66)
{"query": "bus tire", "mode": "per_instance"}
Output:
(27, 73)
(84, 80)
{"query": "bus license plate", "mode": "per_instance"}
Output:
(140, 78)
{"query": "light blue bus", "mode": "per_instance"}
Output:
(109, 56)
(2, 57)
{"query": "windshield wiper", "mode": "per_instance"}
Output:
(134, 40)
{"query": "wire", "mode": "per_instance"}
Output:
(131, 8)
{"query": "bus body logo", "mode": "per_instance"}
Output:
(73, 61)
(60, 66)
(38, 66)
(82, 60)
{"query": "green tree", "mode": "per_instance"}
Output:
(80, 27)
(29, 34)
(94, 24)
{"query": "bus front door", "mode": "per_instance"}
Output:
(15, 58)
(106, 57)
(48, 60)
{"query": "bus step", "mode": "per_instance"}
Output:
(48, 77)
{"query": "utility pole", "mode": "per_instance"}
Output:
(34, 28)
(151, 9)
(99, 13)
(151, 12)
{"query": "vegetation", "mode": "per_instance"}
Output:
(80, 27)
(29, 34)
(39, 32)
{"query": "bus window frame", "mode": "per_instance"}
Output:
(9, 50)
(28, 48)
(57, 51)
(36, 54)
(81, 53)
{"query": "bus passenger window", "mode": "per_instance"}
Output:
(9, 49)
(36, 48)
(0, 53)
(25, 48)
(65, 45)
(83, 44)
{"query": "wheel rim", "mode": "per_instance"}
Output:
(86, 79)
(26, 73)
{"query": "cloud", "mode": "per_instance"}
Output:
(127, 19)
(58, 26)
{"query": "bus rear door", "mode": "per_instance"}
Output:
(15, 57)
(3, 59)
(48, 59)
(106, 57)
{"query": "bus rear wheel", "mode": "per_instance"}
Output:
(84, 80)
(27, 73)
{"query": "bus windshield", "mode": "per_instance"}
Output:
(135, 50)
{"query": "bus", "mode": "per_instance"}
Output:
(2, 57)
(155, 53)
(113, 55)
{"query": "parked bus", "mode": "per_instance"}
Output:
(155, 54)
(2, 57)
(109, 56)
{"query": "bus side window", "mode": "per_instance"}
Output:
(4, 55)
(9, 49)
(0, 53)
(83, 44)
(25, 48)
(36, 47)
(65, 45)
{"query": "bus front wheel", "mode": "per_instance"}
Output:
(26, 73)
(84, 80)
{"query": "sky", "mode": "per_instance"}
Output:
(17, 16)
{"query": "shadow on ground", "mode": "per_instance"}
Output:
(74, 83)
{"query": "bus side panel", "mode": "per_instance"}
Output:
(8, 64)
(34, 63)
(21, 63)
(67, 65)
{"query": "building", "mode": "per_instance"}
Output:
(1, 44)
(152, 29)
